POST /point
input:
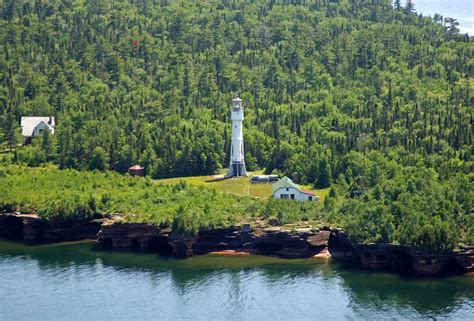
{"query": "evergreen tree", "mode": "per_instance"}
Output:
(409, 7)
(49, 144)
(451, 25)
(397, 4)
(324, 177)
(99, 159)
(11, 131)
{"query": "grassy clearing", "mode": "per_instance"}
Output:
(239, 186)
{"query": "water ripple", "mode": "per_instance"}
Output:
(76, 283)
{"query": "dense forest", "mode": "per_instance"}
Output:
(366, 96)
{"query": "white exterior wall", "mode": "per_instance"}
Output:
(41, 127)
(299, 196)
(31, 126)
(237, 162)
(237, 116)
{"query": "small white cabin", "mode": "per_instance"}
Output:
(34, 126)
(285, 188)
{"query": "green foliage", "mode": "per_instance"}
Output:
(372, 100)
(68, 194)
(409, 7)
(10, 131)
(99, 159)
(68, 208)
(290, 211)
(150, 82)
(186, 221)
(41, 150)
(409, 206)
(324, 177)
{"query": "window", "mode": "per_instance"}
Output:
(284, 196)
(287, 189)
(310, 198)
(292, 196)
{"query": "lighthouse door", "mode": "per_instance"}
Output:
(236, 169)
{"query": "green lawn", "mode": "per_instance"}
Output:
(239, 186)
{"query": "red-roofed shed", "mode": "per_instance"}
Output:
(136, 170)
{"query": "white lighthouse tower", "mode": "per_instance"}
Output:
(237, 162)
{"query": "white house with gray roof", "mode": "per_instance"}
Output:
(285, 188)
(33, 126)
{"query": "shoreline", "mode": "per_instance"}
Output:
(323, 243)
(231, 253)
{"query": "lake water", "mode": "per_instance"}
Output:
(462, 10)
(78, 282)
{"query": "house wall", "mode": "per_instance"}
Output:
(291, 190)
(42, 127)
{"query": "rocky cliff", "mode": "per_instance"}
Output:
(297, 243)
(400, 258)
(267, 241)
(277, 241)
(274, 240)
(30, 228)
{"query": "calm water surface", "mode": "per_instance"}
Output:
(78, 282)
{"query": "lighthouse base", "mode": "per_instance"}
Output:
(237, 170)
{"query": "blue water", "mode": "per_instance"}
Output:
(462, 10)
(77, 282)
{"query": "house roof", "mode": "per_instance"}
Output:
(285, 182)
(305, 191)
(136, 168)
(28, 124)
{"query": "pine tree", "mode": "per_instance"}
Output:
(99, 159)
(11, 131)
(397, 4)
(451, 25)
(409, 7)
(49, 145)
(324, 178)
